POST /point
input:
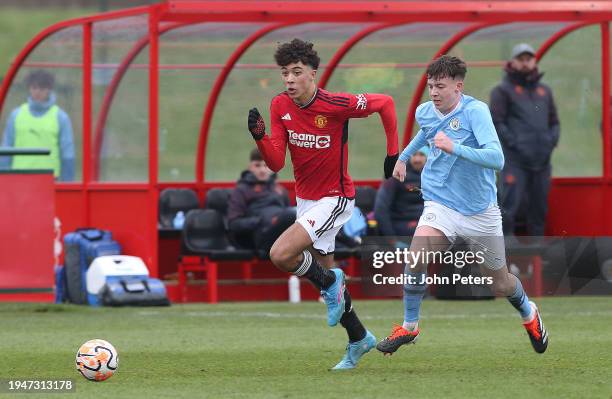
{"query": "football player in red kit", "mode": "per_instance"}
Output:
(313, 123)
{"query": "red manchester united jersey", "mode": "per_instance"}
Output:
(317, 136)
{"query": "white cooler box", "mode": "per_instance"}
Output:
(117, 280)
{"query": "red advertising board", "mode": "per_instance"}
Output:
(27, 209)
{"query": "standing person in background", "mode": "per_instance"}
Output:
(40, 123)
(525, 117)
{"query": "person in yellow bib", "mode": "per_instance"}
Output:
(40, 122)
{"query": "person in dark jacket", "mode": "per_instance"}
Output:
(525, 117)
(398, 205)
(258, 209)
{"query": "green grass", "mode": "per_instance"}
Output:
(277, 350)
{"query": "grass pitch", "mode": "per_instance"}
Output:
(475, 349)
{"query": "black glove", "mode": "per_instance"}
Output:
(390, 161)
(257, 126)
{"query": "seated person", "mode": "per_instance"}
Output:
(258, 210)
(399, 205)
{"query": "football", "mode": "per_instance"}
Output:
(97, 360)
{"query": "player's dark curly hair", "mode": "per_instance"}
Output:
(447, 66)
(295, 51)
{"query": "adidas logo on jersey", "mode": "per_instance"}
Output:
(362, 102)
(286, 117)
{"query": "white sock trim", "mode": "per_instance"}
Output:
(410, 325)
(532, 315)
(306, 262)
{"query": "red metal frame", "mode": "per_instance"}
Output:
(216, 91)
(153, 122)
(32, 44)
(418, 91)
(109, 95)
(175, 67)
(198, 264)
(87, 60)
(605, 103)
(389, 11)
(346, 47)
(87, 202)
(548, 43)
(605, 78)
(605, 99)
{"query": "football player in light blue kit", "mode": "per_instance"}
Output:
(458, 186)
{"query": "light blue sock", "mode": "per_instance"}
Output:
(414, 291)
(520, 301)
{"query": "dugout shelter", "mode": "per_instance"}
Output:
(158, 95)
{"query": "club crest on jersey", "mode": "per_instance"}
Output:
(320, 121)
(454, 124)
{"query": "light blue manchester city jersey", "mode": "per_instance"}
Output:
(452, 179)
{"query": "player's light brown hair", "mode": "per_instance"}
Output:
(295, 51)
(447, 66)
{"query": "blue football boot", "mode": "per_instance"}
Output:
(334, 298)
(354, 351)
